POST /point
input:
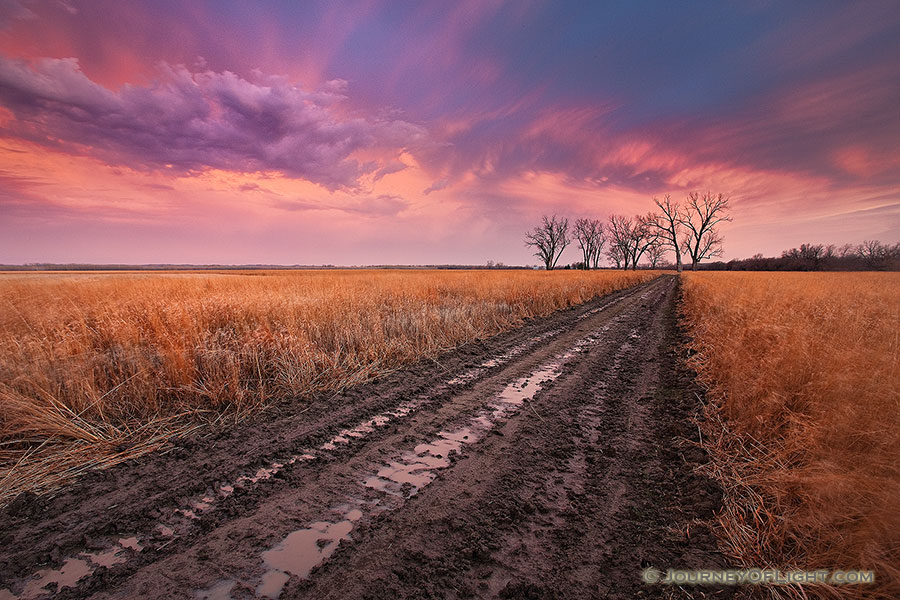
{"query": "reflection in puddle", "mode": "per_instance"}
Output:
(165, 531)
(107, 559)
(504, 358)
(303, 550)
(68, 575)
(415, 474)
(415, 469)
(131, 543)
(49, 581)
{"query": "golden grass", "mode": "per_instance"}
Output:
(804, 427)
(98, 367)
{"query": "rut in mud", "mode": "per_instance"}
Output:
(546, 462)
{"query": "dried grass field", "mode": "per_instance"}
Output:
(804, 428)
(96, 368)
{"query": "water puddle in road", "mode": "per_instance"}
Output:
(49, 581)
(114, 555)
(594, 311)
(165, 531)
(303, 550)
(415, 469)
(68, 575)
(504, 358)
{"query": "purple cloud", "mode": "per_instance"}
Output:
(252, 187)
(436, 186)
(394, 166)
(14, 10)
(192, 121)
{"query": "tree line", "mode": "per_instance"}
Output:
(688, 228)
(871, 255)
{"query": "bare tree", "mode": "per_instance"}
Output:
(589, 234)
(621, 239)
(643, 235)
(668, 223)
(847, 250)
(598, 249)
(700, 217)
(808, 257)
(877, 255)
(614, 253)
(550, 238)
(656, 251)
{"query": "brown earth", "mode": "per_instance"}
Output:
(553, 461)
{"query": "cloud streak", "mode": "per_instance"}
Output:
(383, 205)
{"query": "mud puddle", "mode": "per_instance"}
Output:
(504, 358)
(48, 581)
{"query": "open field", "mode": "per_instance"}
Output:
(804, 426)
(423, 438)
(96, 368)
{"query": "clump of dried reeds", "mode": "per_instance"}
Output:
(96, 368)
(804, 419)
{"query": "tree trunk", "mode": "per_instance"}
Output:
(678, 264)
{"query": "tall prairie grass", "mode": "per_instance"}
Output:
(98, 367)
(804, 428)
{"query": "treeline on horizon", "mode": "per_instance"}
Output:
(871, 255)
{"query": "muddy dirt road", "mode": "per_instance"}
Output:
(546, 462)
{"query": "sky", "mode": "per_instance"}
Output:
(394, 132)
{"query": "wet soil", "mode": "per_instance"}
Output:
(553, 461)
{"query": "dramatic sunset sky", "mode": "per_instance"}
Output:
(386, 131)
